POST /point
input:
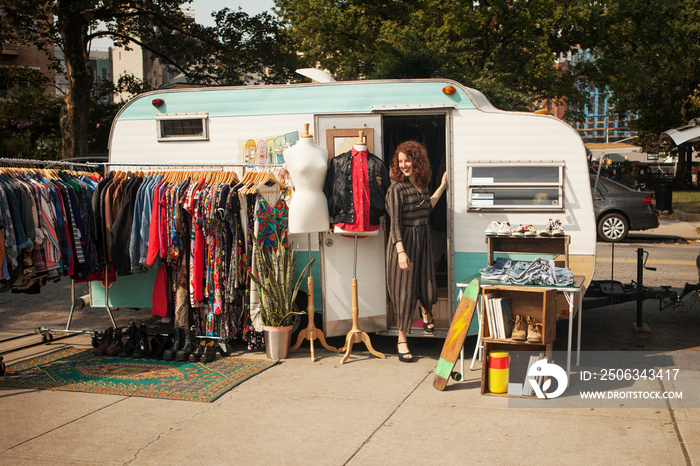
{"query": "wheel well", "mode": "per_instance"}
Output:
(608, 212)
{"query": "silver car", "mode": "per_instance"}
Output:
(619, 209)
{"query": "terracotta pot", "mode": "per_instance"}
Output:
(277, 341)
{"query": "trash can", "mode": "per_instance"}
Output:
(664, 196)
(499, 368)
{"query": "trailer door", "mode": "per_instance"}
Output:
(338, 135)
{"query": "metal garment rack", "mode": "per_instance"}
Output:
(46, 333)
(176, 167)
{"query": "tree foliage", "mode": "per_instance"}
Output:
(239, 46)
(503, 47)
(649, 60)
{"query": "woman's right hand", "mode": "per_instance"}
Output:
(404, 263)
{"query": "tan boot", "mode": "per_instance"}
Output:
(534, 334)
(519, 329)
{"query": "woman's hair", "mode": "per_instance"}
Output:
(417, 154)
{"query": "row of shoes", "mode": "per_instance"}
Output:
(553, 228)
(525, 328)
(135, 342)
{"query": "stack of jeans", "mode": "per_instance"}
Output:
(536, 272)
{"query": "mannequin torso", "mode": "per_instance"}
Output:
(307, 164)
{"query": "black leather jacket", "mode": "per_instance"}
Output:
(338, 188)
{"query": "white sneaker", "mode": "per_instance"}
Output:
(557, 228)
(492, 228)
(547, 231)
(530, 231)
(504, 229)
(520, 231)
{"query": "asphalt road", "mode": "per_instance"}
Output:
(674, 263)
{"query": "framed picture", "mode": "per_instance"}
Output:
(341, 140)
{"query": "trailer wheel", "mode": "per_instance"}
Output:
(613, 228)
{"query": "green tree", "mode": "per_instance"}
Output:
(504, 48)
(159, 26)
(649, 60)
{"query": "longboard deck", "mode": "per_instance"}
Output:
(456, 335)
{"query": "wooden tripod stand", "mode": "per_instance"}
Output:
(355, 335)
(311, 332)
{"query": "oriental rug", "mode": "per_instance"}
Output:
(78, 370)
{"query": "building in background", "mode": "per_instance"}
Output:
(25, 56)
(144, 66)
(600, 125)
(100, 65)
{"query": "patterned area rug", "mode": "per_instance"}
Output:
(79, 370)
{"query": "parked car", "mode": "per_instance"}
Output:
(619, 209)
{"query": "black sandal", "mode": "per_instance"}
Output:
(403, 356)
(427, 324)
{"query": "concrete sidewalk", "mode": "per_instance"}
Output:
(367, 411)
(670, 227)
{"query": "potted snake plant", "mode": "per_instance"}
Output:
(278, 290)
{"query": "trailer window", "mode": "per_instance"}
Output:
(183, 127)
(515, 186)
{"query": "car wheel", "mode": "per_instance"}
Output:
(613, 228)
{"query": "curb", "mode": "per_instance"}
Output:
(686, 217)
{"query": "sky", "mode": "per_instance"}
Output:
(203, 10)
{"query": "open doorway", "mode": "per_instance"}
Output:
(429, 130)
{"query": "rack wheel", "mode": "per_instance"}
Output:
(456, 376)
(44, 338)
(50, 336)
(224, 349)
(2, 367)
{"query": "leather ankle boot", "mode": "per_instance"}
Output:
(159, 344)
(183, 354)
(196, 355)
(178, 343)
(143, 347)
(209, 353)
(101, 350)
(132, 334)
(116, 346)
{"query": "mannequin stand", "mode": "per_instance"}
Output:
(311, 332)
(355, 335)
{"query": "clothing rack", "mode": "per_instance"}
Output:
(177, 166)
(46, 333)
(4, 160)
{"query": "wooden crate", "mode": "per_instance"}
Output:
(525, 301)
(518, 362)
(557, 245)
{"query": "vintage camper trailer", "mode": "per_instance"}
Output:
(514, 167)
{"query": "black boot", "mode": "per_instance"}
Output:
(101, 350)
(159, 344)
(117, 344)
(178, 343)
(209, 353)
(132, 333)
(196, 355)
(183, 354)
(143, 347)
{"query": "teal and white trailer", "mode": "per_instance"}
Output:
(515, 167)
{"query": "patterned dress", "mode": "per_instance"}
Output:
(409, 210)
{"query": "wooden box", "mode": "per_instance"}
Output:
(519, 353)
(525, 301)
(556, 245)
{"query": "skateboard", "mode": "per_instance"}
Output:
(456, 335)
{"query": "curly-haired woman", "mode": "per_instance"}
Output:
(409, 254)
